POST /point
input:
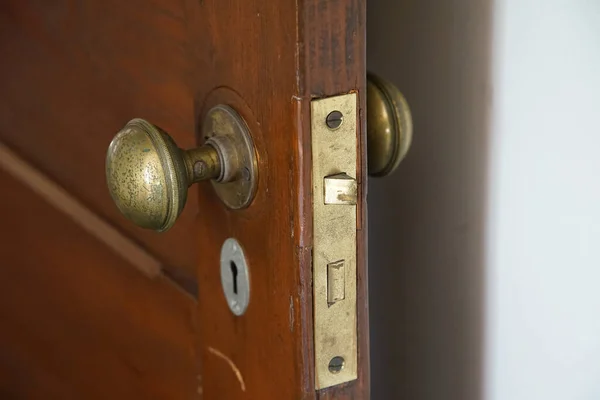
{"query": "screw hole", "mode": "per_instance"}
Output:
(336, 364)
(334, 119)
(234, 273)
(246, 174)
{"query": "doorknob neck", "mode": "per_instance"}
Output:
(202, 163)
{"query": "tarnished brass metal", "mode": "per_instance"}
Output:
(336, 282)
(148, 175)
(238, 179)
(340, 189)
(334, 168)
(389, 126)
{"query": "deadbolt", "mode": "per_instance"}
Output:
(148, 175)
(389, 126)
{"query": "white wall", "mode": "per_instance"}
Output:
(543, 226)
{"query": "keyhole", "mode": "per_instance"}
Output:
(234, 272)
(235, 279)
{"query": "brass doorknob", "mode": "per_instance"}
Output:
(148, 175)
(389, 126)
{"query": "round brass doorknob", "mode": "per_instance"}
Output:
(148, 175)
(389, 126)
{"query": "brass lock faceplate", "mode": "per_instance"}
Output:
(334, 161)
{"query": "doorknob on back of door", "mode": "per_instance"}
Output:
(389, 126)
(148, 175)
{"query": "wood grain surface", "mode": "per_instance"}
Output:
(73, 72)
(77, 321)
(279, 57)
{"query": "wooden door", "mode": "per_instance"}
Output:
(93, 307)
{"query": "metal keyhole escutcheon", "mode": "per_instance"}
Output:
(234, 276)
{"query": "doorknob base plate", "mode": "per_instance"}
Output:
(226, 130)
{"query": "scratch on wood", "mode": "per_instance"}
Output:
(200, 390)
(291, 314)
(235, 369)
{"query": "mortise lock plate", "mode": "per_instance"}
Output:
(334, 168)
(335, 194)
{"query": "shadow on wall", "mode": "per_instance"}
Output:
(426, 221)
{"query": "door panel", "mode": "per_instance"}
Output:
(75, 73)
(78, 321)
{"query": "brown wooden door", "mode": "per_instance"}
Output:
(92, 307)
